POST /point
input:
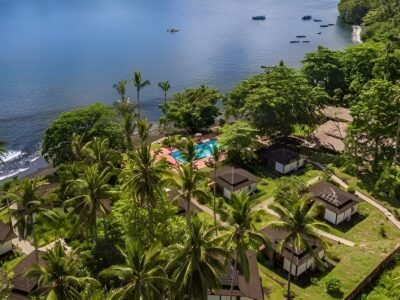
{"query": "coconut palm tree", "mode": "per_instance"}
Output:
(216, 157)
(299, 222)
(126, 110)
(189, 183)
(60, 275)
(164, 86)
(139, 84)
(78, 146)
(142, 274)
(143, 128)
(145, 178)
(121, 88)
(3, 150)
(29, 204)
(92, 190)
(243, 235)
(198, 263)
(189, 152)
(98, 151)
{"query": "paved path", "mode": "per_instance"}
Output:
(335, 238)
(374, 203)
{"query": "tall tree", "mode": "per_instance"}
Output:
(243, 234)
(300, 222)
(145, 178)
(189, 183)
(126, 111)
(92, 191)
(239, 140)
(189, 152)
(143, 128)
(142, 274)
(193, 109)
(121, 88)
(139, 84)
(29, 204)
(216, 155)
(164, 86)
(198, 262)
(60, 276)
(371, 135)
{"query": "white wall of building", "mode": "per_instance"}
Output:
(293, 166)
(5, 247)
(330, 216)
(227, 194)
(279, 168)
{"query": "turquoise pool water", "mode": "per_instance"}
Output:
(203, 150)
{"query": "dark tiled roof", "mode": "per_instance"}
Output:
(300, 255)
(6, 232)
(278, 154)
(20, 282)
(330, 194)
(251, 289)
(234, 179)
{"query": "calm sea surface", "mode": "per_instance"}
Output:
(57, 54)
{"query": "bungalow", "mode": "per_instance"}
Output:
(282, 160)
(302, 259)
(22, 285)
(6, 236)
(234, 180)
(242, 289)
(339, 205)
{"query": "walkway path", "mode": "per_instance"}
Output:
(374, 203)
(335, 238)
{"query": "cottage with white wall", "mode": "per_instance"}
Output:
(234, 180)
(339, 205)
(302, 259)
(281, 159)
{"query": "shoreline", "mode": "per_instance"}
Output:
(356, 34)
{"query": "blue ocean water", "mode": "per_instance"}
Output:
(56, 55)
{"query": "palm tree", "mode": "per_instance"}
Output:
(145, 178)
(164, 86)
(143, 128)
(142, 274)
(139, 83)
(198, 263)
(189, 183)
(78, 146)
(93, 191)
(3, 150)
(243, 234)
(28, 206)
(98, 152)
(60, 275)
(121, 88)
(126, 110)
(299, 222)
(189, 152)
(216, 157)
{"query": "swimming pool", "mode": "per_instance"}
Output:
(203, 150)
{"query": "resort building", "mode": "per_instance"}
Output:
(6, 236)
(242, 290)
(234, 180)
(339, 205)
(280, 159)
(302, 259)
(23, 285)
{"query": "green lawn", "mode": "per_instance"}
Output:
(355, 262)
(9, 265)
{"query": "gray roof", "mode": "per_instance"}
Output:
(20, 282)
(6, 233)
(332, 196)
(251, 289)
(300, 255)
(234, 179)
(281, 155)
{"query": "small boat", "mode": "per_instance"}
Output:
(301, 36)
(323, 25)
(172, 30)
(307, 17)
(319, 32)
(331, 24)
(258, 18)
(306, 41)
(317, 20)
(294, 42)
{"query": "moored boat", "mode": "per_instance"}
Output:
(258, 18)
(307, 17)
(294, 42)
(323, 25)
(301, 36)
(331, 24)
(306, 41)
(317, 20)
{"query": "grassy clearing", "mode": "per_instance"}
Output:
(10, 264)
